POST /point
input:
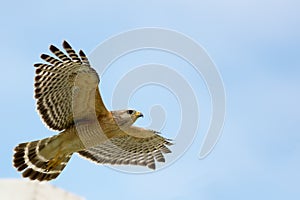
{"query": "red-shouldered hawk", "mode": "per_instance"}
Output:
(68, 100)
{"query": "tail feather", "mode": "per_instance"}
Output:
(29, 161)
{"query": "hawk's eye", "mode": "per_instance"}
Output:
(130, 112)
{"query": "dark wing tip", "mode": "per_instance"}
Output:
(53, 48)
(151, 166)
(165, 150)
(81, 53)
(83, 57)
(169, 142)
(161, 159)
(66, 44)
(44, 56)
(37, 64)
(38, 70)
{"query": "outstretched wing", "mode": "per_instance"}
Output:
(130, 146)
(66, 88)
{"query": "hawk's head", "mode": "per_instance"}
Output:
(125, 118)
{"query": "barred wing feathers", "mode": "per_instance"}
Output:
(60, 81)
(135, 146)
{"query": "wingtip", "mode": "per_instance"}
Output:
(37, 64)
(169, 141)
(81, 53)
(151, 166)
(161, 159)
(53, 48)
(44, 56)
(66, 44)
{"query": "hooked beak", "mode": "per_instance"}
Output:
(139, 114)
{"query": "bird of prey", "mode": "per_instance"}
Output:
(69, 101)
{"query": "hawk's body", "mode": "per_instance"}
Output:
(68, 100)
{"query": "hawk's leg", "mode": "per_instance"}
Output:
(55, 161)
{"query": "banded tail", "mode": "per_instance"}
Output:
(30, 159)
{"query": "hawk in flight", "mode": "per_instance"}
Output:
(68, 100)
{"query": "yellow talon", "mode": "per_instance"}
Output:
(54, 162)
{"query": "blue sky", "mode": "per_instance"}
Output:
(255, 45)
